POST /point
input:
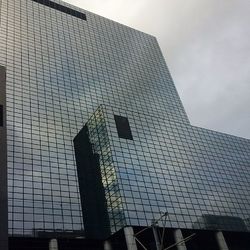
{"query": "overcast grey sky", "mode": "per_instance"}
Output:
(206, 44)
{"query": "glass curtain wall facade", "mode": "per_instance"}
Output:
(63, 63)
(198, 176)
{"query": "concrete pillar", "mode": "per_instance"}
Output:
(156, 237)
(53, 244)
(130, 239)
(107, 245)
(221, 241)
(178, 238)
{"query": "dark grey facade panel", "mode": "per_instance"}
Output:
(1, 115)
(3, 164)
(62, 8)
(123, 128)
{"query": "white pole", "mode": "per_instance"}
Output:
(130, 239)
(221, 241)
(53, 244)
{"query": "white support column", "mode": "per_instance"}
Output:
(107, 245)
(130, 239)
(53, 244)
(221, 241)
(178, 238)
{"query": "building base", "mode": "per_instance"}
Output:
(125, 240)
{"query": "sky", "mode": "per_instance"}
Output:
(206, 44)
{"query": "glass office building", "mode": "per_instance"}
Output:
(65, 66)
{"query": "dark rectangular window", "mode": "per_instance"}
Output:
(123, 127)
(1, 115)
(62, 8)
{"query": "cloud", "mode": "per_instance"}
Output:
(206, 46)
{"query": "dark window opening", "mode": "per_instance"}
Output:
(62, 8)
(1, 115)
(123, 127)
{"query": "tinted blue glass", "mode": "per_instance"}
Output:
(60, 69)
